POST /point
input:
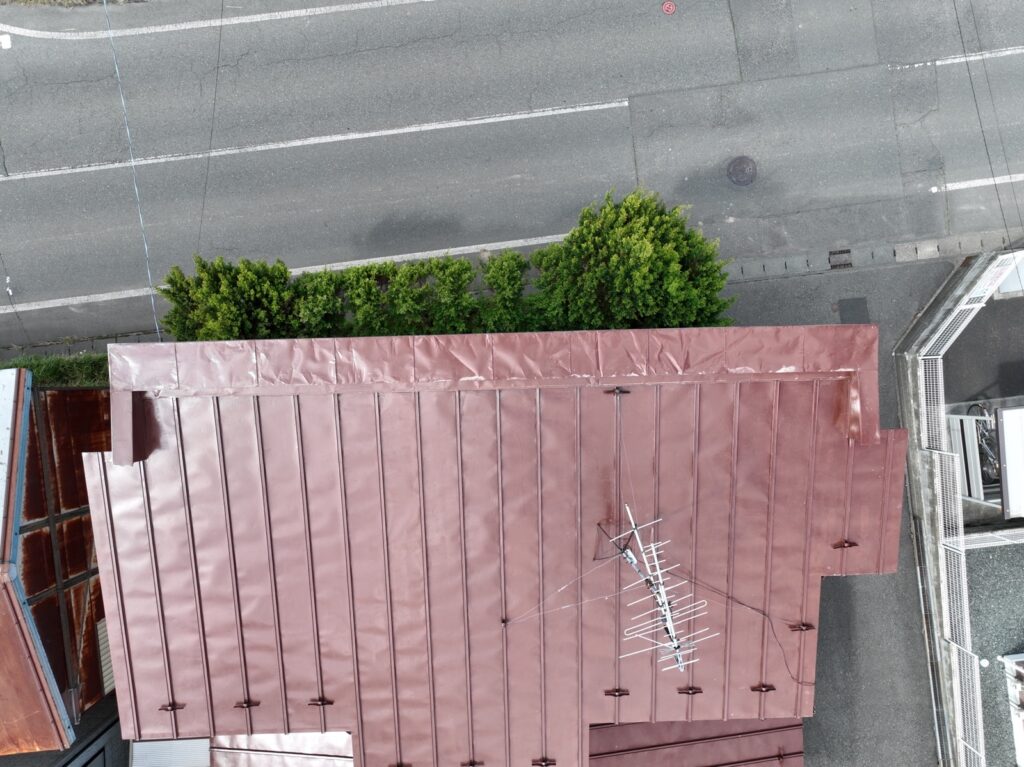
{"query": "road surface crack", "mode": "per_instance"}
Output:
(3, 161)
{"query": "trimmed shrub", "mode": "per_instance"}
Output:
(318, 309)
(451, 307)
(628, 264)
(505, 309)
(250, 299)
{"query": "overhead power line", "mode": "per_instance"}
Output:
(135, 177)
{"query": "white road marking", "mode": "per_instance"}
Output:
(227, 21)
(462, 250)
(978, 182)
(998, 53)
(5, 42)
(56, 303)
(315, 140)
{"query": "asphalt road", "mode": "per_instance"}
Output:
(852, 110)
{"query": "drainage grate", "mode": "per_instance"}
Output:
(840, 259)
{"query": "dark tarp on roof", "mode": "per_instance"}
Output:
(400, 536)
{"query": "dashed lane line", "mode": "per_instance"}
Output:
(227, 21)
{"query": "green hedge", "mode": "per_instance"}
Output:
(628, 264)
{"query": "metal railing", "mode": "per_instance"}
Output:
(984, 540)
(945, 513)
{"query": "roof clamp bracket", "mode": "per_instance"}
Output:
(801, 626)
(543, 762)
(471, 763)
(844, 544)
(689, 690)
(247, 704)
(762, 688)
(321, 702)
(617, 692)
(172, 706)
(616, 391)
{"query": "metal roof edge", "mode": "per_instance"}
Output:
(418, 360)
(13, 480)
(41, 664)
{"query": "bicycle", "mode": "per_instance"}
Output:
(988, 443)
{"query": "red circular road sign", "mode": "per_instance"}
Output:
(668, 7)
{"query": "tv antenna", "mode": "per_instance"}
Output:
(661, 627)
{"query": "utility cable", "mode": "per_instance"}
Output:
(213, 124)
(135, 178)
(999, 133)
(981, 124)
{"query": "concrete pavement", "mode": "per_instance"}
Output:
(851, 124)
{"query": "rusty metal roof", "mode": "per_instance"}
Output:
(737, 743)
(400, 536)
(32, 713)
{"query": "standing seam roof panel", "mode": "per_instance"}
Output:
(463, 486)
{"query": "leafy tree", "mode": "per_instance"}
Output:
(631, 264)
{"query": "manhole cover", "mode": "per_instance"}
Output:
(742, 171)
(668, 7)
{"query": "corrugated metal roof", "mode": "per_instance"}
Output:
(32, 714)
(770, 743)
(403, 536)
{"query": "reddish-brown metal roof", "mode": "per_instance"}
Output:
(55, 529)
(32, 713)
(738, 743)
(404, 532)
